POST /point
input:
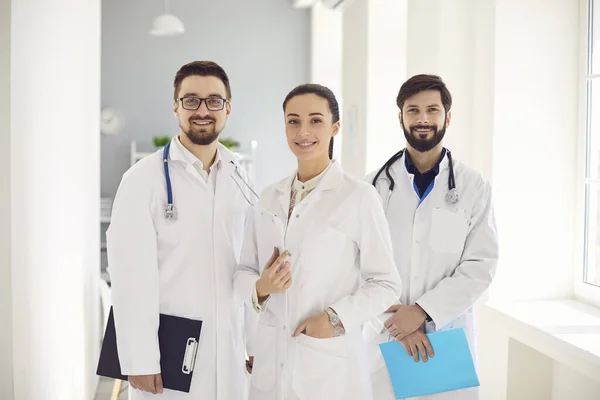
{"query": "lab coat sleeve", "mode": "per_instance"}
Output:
(245, 277)
(133, 266)
(378, 323)
(458, 292)
(381, 282)
(251, 323)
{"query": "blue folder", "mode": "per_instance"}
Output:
(451, 368)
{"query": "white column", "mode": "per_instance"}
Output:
(441, 42)
(55, 181)
(374, 67)
(6, 340)
(326, 58)
(386, 71)
(354, 86)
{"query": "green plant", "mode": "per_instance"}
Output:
(161, 141)
(231, 144)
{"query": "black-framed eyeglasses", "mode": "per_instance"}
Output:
(194, 103)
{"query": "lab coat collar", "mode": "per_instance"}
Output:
(443, 163)
(224, 156)
(330, 179)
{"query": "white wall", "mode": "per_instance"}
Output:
(525, 140)
(535, 146)
(482, 114)
(535, 376)
(263, 45)
(512, 67)
(6, 367)
(55, 181)
(569, 384)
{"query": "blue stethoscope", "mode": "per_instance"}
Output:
(452, 195)
(170, 209)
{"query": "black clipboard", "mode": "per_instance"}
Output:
(178, 339)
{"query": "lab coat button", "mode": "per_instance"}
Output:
(281, 365)
(416, 278)
(297, 215)
(283, 327)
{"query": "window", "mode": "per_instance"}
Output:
(591, 275)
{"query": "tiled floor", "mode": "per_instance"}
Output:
(105, 388)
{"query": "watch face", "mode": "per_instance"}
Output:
(333, 317)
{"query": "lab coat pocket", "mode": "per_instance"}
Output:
(320, 368)
(448, 231)
(263, 370)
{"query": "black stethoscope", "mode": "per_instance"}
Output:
(452, 195)
(170, 210)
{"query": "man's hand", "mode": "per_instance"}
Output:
(250, 364)
(147, 383)
(415, 343)
(406, 320)
(317, 326)
(274, 279)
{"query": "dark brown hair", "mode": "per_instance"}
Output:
(323, 92)
(202, 68)
(421, 83)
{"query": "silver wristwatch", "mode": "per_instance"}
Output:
(338, 328)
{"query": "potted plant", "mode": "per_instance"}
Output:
(231, 144)
(160, 141)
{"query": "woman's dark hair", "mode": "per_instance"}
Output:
(323, 92)
(421, 83)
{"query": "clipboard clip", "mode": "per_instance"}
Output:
(189, 359)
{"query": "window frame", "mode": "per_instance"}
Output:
(584, 291)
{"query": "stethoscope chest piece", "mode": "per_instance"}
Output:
(452, 196)
(171, 212)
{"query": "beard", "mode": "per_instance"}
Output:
(423, 145)
(202, 135)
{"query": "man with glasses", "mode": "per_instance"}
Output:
(175, 254)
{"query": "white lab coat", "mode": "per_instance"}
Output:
(180, 267)
(446, 255)
(341, 257)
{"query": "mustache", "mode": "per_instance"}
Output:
(415, 127)
(207, 118)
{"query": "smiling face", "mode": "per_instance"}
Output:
(424, 120)
(201, 126)
(309, 127)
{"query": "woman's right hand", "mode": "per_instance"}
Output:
(276, 276)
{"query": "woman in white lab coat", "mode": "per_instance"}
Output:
(335, 269)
